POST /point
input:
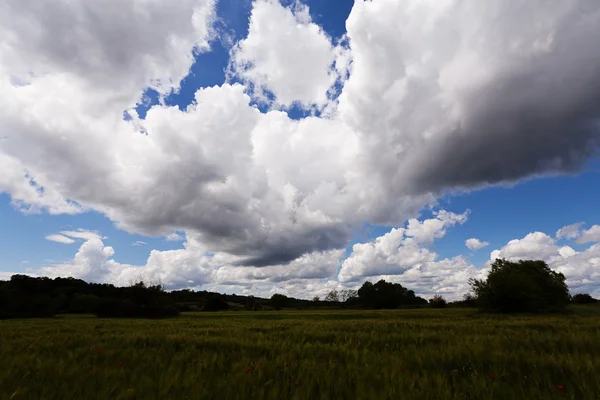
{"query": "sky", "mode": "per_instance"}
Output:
(296, 147)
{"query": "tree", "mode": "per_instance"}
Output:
(316, 299)
(438, 301)
(347, 295)
(278, 301)
(523, 286)
(583, 298)
(333, 297)
(387, 295)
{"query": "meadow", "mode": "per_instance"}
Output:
(319, 354)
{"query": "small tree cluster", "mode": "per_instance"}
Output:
(387, 295)
(438, 301)
(523, 286)
(583, 298)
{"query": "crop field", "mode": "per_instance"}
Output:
(325, 354)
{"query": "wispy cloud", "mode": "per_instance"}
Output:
(58, 238)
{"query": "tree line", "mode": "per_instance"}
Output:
(523, 286)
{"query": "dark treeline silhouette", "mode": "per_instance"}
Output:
(26, 297)
(523, 286)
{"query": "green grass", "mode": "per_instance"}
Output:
(407, 354)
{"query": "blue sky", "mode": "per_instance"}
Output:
(498, 213)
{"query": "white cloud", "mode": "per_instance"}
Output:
(590, 235)
(536, 245)
(571, 231)
(139, 243)
(83, 234)
(400, 254)
(192, 266)
(59, 239)
(91, 263)
(395, 257)
(286, 54)
(475, 244)
(173, 237)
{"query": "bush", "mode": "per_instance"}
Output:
(438, 301)
(523, 286)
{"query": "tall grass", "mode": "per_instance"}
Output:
(408, 354)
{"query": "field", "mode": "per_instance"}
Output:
(335, 354)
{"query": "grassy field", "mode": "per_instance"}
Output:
(408, 354)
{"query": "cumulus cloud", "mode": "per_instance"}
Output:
(464, 94)
(192, 266)
(399, 250)
(475, 244)
(590, 235)
(286, 54)
(437, 96)
(571, 231)
(59, 239)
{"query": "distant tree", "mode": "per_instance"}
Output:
(278, 301)
(468, 300)
(333, 297)
(438, 301)
(347, 295)
(583, 298)
(523, 286)
(387, 295)
(316, 299)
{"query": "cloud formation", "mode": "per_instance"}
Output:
(590, 235)
(403, 255)
(571, 231)
(475, 244)
(438, 96)
(59, 239)
(285, 54)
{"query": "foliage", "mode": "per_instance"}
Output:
(468, 300)
(29, 297)
(583, 298)
(387, 295)
(325, 354)
(523, 286)
(333, 297)
(215, 303)
(278, 301)
(437, 301)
